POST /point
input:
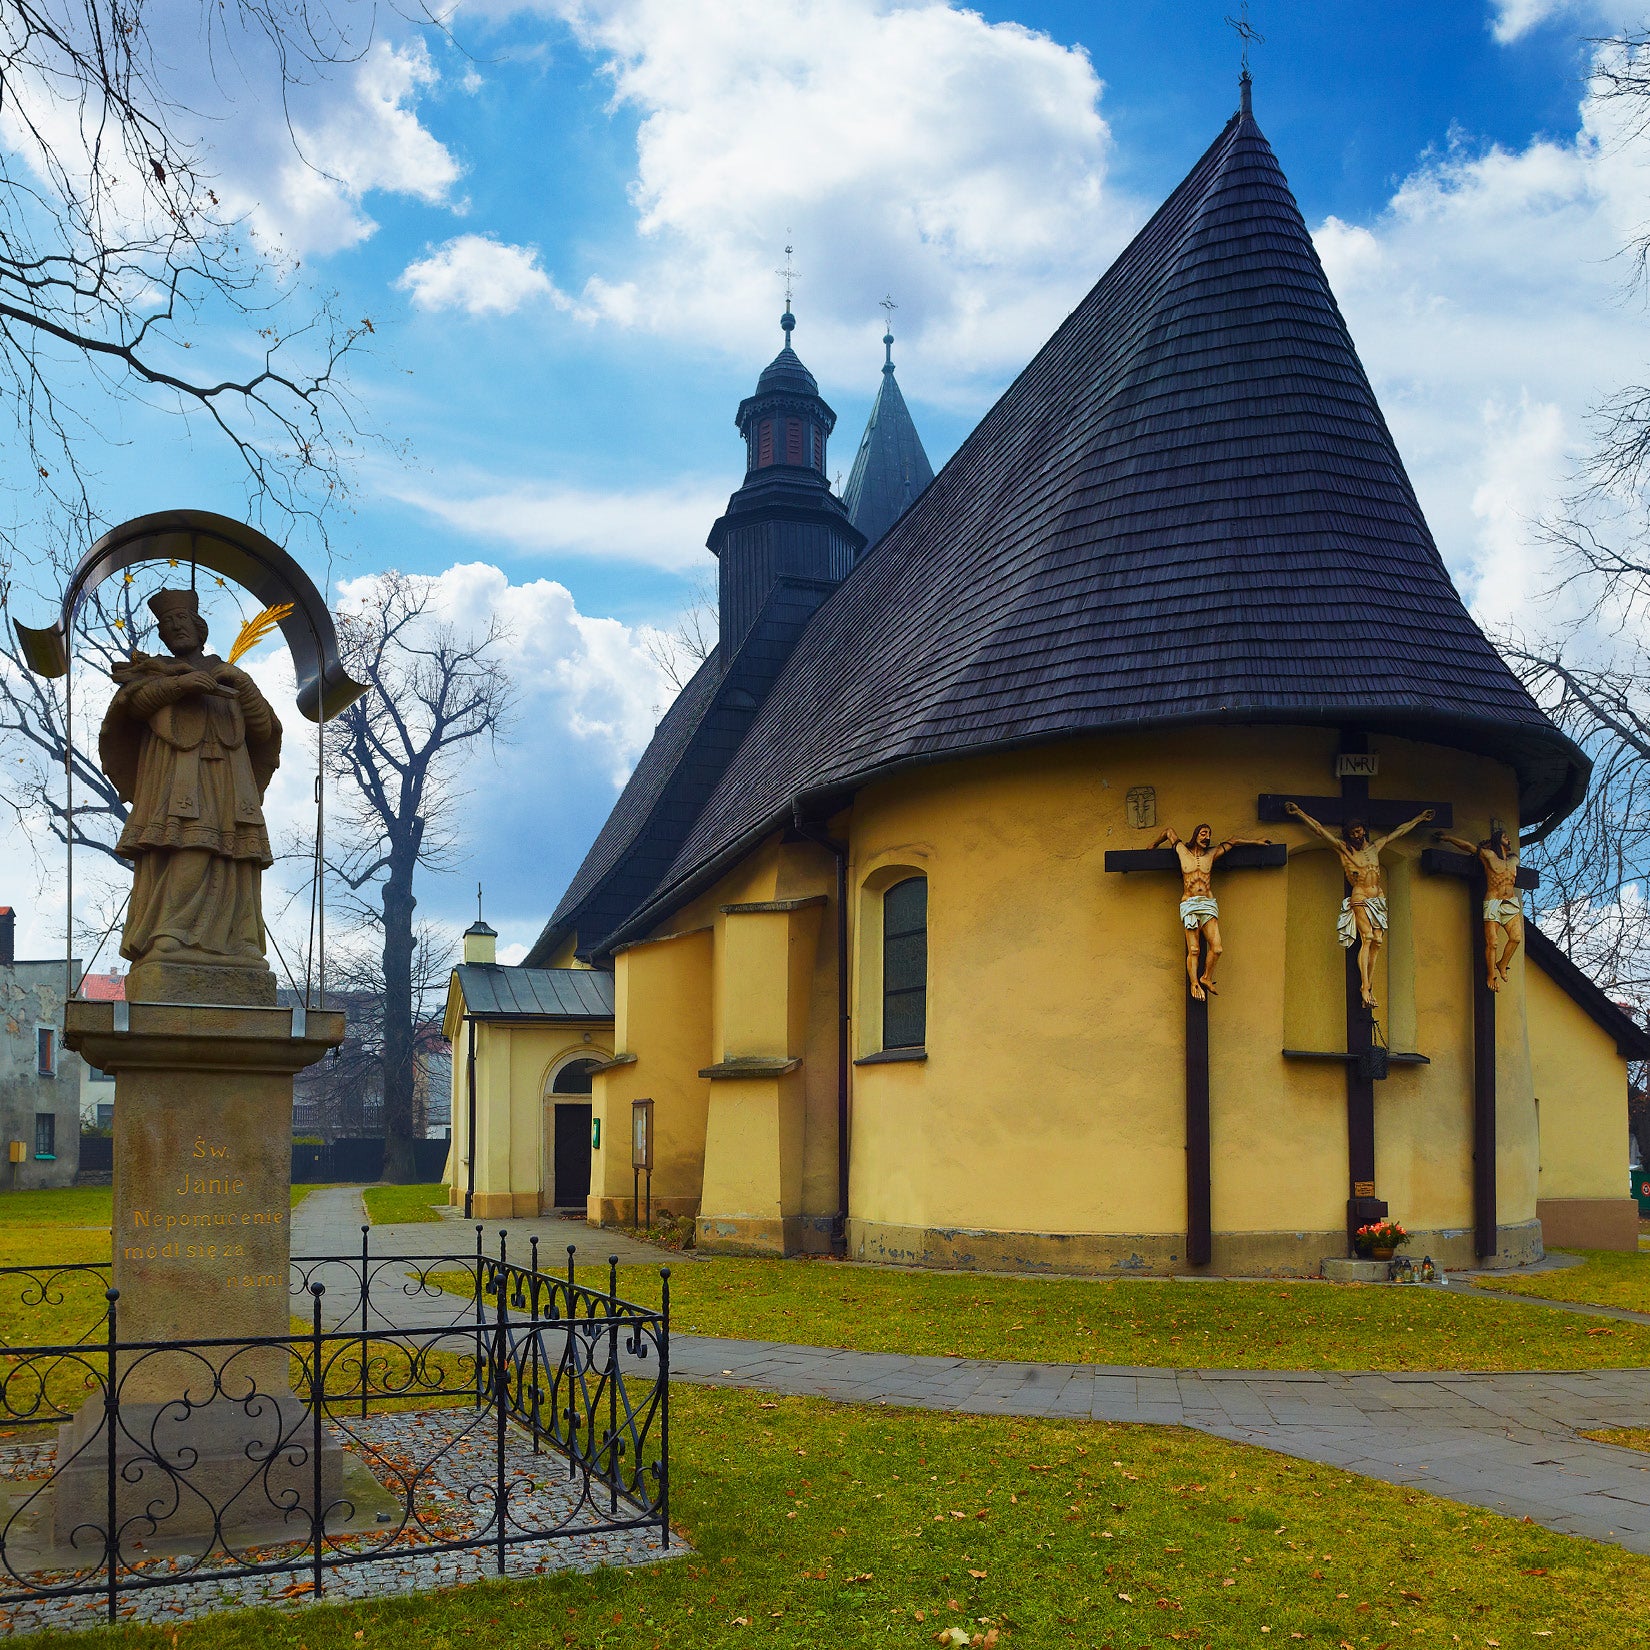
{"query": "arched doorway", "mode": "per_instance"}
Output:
(567, 1137)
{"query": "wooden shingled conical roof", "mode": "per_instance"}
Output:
(890, 469)
(1187, 509)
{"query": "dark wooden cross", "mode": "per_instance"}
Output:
(1199, 1230)
(1363, 1065)
(1444, 862)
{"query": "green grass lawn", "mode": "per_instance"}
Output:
(821, 1527)
(57, 1206)
(402, 1205)
(1606, 1277)
(1161, 1324)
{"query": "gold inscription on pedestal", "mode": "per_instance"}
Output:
(223, 1183)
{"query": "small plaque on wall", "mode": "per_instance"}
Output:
(1141, 806)
(1357, 765)
(1363, 1188)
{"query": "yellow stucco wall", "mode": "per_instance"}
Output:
(515, 1064)
(1046, 1124)
(1581, 1084)
(661, 1020)
(1052, 1098)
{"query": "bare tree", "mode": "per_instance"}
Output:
(1592, 672)
(682, 646)
(434, 694)
(34, 727)
(125, 278)
(340, 1094)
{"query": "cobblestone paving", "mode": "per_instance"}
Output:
(541, 1499)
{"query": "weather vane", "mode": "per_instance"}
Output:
(1246, 32)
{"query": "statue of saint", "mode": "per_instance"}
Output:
(1503, 904)
(1199, 911)
(191, 744)
(1363, 919)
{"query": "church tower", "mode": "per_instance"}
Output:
(784, 526)
(891, 467)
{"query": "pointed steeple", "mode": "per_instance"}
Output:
(891, 468)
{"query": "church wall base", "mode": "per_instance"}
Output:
(623, 1211)
(1236, 1254)
(1590, 1222)
(746, 1235)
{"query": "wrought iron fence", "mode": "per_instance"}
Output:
(421, 1405)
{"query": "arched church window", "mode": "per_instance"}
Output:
(574, 1078)
(905, 964)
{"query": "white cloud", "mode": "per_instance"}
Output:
(900, 145)
(1490, 307)
(1511, 20)
(368, 139)
(479, 275)
(661, 527)
(574, 675)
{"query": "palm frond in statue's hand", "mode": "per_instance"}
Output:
(256, 628)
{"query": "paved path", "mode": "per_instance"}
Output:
(329, 1222)
(1507, 1442)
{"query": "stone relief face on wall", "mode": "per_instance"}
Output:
(191, 744)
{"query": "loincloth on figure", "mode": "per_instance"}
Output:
(1346, 925)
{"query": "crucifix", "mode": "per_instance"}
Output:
(1365, 1061)
(1199, 918)
(1249, 35)
(1470, 869)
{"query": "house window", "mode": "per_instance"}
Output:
(45, 1050)
(905, 964)
(45, 1134)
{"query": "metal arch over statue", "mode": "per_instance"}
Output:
(240, 553)
(191, 745)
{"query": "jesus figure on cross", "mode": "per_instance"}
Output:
(1363, 919)
(1503, 904)
(1199, 914)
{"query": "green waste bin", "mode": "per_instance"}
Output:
(1641, 1190)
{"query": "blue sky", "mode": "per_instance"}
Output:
(564, 224)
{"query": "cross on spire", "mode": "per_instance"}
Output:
(1250, 36)
(1246, 32)
(888, 306)
(787, 321)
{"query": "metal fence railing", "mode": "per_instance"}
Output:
(431, 1404)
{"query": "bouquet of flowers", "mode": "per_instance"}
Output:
(1379, 1234)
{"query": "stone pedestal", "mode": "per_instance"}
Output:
(210, 1440)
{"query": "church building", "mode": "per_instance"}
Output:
(898, 943)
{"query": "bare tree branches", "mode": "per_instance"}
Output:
(680, 648)
(34, 741)
(433, 695)
(124, 277)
